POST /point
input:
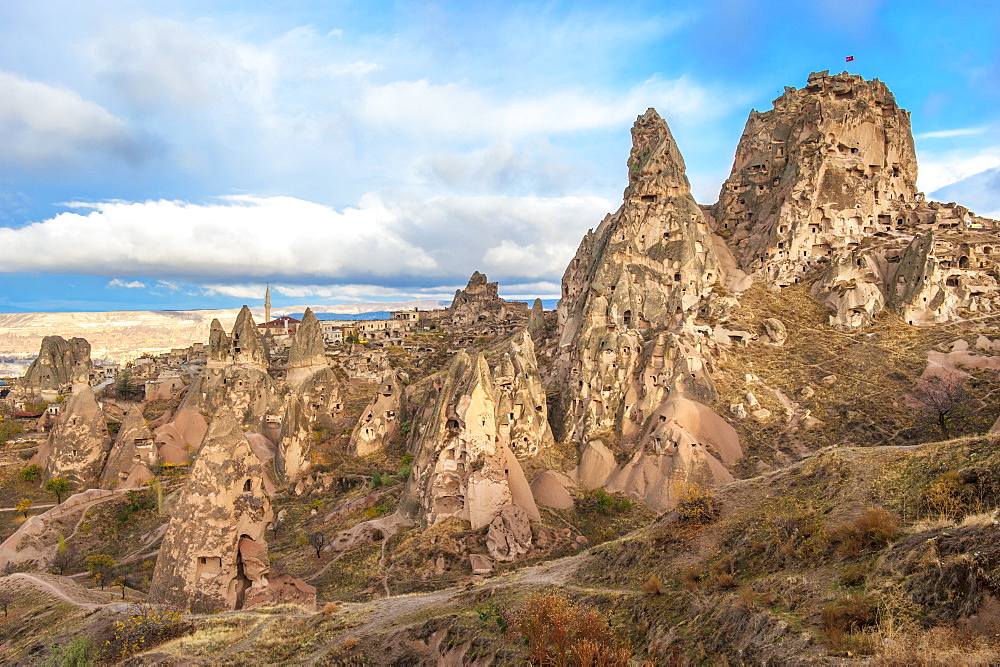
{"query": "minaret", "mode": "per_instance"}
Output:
(267, 304)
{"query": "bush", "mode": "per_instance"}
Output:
(144, 627)
(8, 429)
(607, 503)
(696, 505)
(77, 653)
(560, 632)
(846, 615)
(30, 473)
(853, 574)
(653, 585)
(875, 528)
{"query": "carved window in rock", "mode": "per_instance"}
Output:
(248, 486)
(207, 566)
(963, 262)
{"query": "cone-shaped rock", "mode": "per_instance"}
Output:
(307, 348)
(248, 344)
(220, 348)
(649, 267)
(223, 501)
(60, 364)
(132, 452)
(78, 445)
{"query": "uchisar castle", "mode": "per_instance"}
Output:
(756, 431)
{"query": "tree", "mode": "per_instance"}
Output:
(23, 506)
(30, 473)
(62, 558)
(100, 567)
(944, 397)
(317, 541)
(125, 388)
(6, 599)
(58, 486)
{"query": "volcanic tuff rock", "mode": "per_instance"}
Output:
(479, 301)
(521, 414)
(227, 497)
(827, 180)
(315, 391)
(132, 455)
(462, 468)
(380, 421)
(632, 296)
(59, 365)
(78, 445)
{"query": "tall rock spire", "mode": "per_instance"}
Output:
(648, 268)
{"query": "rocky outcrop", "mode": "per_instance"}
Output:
(631, 298)
(314, 394)
(132, 455)
(78, 445)
(227, 497)
(825, 182)
(247, 344)
(60, 364)
(521, 411)
(381, 421)
(479, 302)
(461, 467)
(267, 589)
(536, 321)
(308, 350)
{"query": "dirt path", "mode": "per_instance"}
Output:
(58, 592)
(34, 507)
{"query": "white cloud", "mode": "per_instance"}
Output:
(383, 239)
(42, 125)
(159, 62)
(458, 110)
(938, 170)
(134, 284)
(947, 134)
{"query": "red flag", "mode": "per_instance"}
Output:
(850, 58)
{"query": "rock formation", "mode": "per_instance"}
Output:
(521, 414)
(132, 455)
(381, 420)
(826, 181)
(78, 446)
(634, 333)
(315, 393)
(479, 302)
(60, 364)
(536, 321)
(223, 564)
(462, 468)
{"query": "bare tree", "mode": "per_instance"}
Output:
(317, 541)
(943, 397)
(6, 599)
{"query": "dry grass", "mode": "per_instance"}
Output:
(874, 529)
(653, 585)
(943, 645)
(560, 632)
(331, 608)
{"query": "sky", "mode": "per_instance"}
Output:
(179, 155)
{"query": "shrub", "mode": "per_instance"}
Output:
(145, 626)
(853, 574)
(875, 528)
(653, 585)
(607, 503)
(77, 653)
(691, 577)
(559, 632)
(696, 505)
(846, 615)
(30, 473)
(331, 608)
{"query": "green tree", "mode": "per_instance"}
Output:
(58, 486)
(30, 473)
(9, 429)
(23, 506)
(125, 387)
(100, 567)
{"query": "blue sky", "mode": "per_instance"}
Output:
(182, 154)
